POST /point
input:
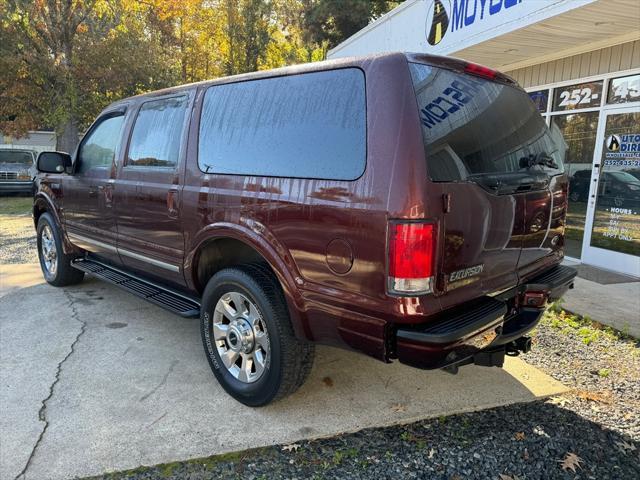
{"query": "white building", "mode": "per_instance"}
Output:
(580, 62)
(35, 140)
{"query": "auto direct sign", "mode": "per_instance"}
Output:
(454, 24)
(622, 150)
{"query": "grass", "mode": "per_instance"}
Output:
(587, 330)
(15, 205)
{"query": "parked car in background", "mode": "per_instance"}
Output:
(635, 172)
(615, 188)
(420, 219)
(17, 170)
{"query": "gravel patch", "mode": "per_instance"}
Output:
(520, 441)
(17, 239)
(600, 365)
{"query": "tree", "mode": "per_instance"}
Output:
(329, 22)
(61, 61)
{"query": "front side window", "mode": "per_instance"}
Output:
(157, 133)
(311, 125)
(101, 144)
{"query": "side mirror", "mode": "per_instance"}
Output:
(53, 162)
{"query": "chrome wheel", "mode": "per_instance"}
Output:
(49, 251)
(241, 337)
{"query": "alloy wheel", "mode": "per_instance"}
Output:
(241, 337)
(48, 250)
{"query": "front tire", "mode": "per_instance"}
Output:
(55, 264)
(248, 337)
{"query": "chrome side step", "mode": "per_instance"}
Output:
(163, 297)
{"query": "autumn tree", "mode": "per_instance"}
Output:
(329, 22)
(63, 60)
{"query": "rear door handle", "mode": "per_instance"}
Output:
(172, 206)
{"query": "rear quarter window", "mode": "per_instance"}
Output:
(311, 125)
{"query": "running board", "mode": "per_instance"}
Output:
(163, 297)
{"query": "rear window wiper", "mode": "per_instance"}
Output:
(541, 158)
(509, 183)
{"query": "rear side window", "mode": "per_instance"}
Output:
(473, 127)
(311, 125)
(157, 133)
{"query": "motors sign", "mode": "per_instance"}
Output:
(453, 17)
(447, 26)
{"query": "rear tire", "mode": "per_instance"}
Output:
(55, 264)
(248, 337)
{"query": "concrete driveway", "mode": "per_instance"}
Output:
(95, 380)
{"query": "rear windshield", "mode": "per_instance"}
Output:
(8, 156)
(473, 127)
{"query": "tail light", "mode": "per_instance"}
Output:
(411, 258)
(480, 71)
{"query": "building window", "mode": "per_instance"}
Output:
(578, 96)
(624, 89)
(540, 98)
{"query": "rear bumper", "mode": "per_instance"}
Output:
(485, 324)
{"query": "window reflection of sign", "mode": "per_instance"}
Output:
(541, 99)
(573, 97)
(458, 93)
(624, 89)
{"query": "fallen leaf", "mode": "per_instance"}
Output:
(519, 436)
(432, 452)
(571, 462)
(505, 477)
(292, 447)
(602, 397)
(327, 381)
(399, 407)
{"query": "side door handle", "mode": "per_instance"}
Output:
(172, 202)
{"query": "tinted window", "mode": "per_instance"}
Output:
(9, 156)
(311, 125)
(100, 145)
(157, 133)
(472, 127)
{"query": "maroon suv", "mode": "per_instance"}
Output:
(407, 206)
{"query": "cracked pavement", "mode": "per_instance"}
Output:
(42, 413)
(94, 380)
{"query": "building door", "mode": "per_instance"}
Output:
(612, 229)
